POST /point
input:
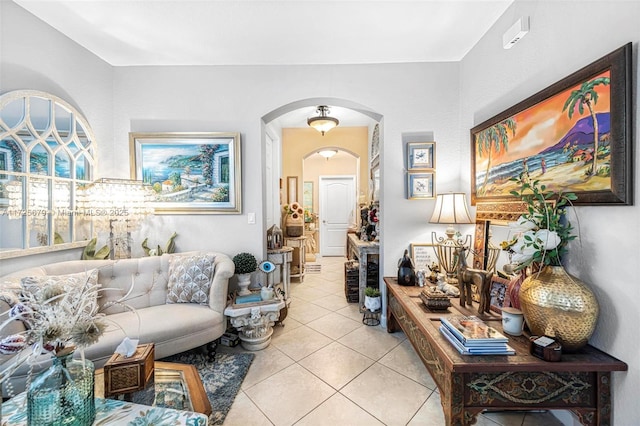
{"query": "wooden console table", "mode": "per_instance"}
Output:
(580, 382)
(358, 249)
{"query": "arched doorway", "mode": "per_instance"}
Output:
(294, 116)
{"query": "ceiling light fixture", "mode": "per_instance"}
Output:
(328, 153)
(323, 123)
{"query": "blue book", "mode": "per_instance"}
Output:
(464, 350)
(250, 298)
(471, 330)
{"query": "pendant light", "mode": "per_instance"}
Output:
(322, 123)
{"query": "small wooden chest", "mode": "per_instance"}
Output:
(126, 375)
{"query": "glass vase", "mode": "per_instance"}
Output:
(63, 394)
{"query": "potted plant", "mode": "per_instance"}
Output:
(245, 264)
(372, 299)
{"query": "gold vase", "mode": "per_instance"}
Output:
(558, 305)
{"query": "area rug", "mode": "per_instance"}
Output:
(221, 377)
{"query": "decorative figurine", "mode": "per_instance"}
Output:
(406, 274)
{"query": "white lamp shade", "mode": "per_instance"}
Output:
(451, 208)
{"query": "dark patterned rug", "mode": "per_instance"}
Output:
(221, 377)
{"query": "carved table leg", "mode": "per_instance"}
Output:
(255, 329)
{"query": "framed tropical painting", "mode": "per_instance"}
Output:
(574, 136)
(190, 173)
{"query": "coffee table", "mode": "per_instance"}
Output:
(176, 386)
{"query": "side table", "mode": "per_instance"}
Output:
(298, 264)
(255, 322)
(282, 258)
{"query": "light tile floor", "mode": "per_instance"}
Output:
(325, 367)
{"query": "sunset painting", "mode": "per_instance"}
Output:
(563, 141)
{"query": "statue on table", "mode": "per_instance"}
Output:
(406, 270)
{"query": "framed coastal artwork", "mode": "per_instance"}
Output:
(190, 173)
(420, 185)
(572, 136)
(421, 155)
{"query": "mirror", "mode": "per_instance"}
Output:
(47, 151)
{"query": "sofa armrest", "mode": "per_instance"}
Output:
(220, 286)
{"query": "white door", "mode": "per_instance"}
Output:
(337, 212)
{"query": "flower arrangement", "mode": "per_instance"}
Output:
(541, 234)
(245, 263)
(59, 316)
(294, 210)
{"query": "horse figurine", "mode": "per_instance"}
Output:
(468, 276)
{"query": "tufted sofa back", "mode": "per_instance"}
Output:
(149, 275)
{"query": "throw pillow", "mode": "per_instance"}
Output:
(190, 279)
(69, 282)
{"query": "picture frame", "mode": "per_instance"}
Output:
(498, 294)
(190, 173)
(423, 255)
(307, 195)
(420, 185)
(292, 189)
(421, 155)
(550, 137)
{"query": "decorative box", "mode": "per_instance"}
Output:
(229, 339)
(127, 375)
(434, 299)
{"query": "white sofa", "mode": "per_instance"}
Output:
(172, 327)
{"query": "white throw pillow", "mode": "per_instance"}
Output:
(190, 278)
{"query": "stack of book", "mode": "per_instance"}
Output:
(472, 336)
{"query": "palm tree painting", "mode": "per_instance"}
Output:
(587, 95)
(563, 140)
(494, 139)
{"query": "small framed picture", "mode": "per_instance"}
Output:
(420, 185)
(423, 255)
(421, 155)
(499, 294)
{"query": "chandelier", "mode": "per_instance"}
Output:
(322, 123)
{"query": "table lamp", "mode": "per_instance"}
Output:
(451, 209)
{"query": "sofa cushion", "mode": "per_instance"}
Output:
(75, 281)
(170, 326)
(190, 278)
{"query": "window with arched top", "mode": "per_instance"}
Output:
(47, 152)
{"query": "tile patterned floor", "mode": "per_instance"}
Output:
(324, 367)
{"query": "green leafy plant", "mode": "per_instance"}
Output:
(170, 247)
(371, 292)
(245, 263)
(544, 231)
(90, 253)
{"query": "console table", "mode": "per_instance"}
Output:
(360, 250)
(580, 382)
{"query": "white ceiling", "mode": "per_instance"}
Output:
(252, 32)
(266, 32)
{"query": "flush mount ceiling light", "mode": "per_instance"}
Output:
(328, 153)
(322, 123)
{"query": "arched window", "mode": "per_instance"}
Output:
(47, 151)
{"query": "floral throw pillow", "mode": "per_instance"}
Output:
(190, 278)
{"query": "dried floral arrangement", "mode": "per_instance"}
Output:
(59, 316)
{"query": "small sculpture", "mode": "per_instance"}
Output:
(446, 288)
(406, 274)
(468, 276)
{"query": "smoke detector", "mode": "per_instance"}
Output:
(516, 32)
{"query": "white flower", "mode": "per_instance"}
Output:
(521, 258)
(549, 239)
(523, 245)
(522, 225)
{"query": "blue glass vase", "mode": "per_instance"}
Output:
(63, 394)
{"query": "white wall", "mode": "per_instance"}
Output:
(35, 56)
(410, 96)
(564, 37)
